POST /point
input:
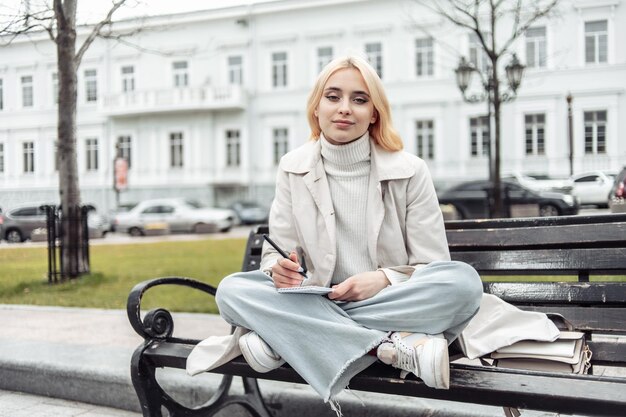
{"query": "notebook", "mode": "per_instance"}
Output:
(306, 289)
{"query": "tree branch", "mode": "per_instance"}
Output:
(96, 31)
(538, 14)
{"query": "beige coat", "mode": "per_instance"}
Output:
(405, 224)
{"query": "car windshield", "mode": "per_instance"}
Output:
(194, 204)
(247, 204)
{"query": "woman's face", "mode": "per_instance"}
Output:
(345, 110)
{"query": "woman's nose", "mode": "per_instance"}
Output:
(344, 107)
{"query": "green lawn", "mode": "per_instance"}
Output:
(116, 269)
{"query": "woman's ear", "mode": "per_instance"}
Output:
(315, 113)
(374, 117)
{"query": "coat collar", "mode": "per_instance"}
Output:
(387, 165)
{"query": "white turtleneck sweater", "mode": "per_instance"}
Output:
(348, 170)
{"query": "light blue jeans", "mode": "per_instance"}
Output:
(326, 341)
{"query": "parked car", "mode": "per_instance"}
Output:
(470, 199)
(617, 195)
(22, 222)
(176, 214)
(250, 212)
(122, 208)
(593, 188)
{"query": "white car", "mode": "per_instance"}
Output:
(593, 187)
(173, 215)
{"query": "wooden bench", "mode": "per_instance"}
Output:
(579, 246)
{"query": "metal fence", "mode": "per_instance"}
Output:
(55, 230)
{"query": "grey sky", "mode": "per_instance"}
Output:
(94, 10)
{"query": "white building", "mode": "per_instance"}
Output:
(203, 104)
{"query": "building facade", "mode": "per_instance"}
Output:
(203, 104)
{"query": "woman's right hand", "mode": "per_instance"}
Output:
(285, 272)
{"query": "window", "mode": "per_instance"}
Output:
(279, 69)
(233, 148)
(479, 136)
(91, 153)
(124, 148)
(478, 56)
(235, 70)
(128, 78)
(29, 156)
(55, 87)
(595, 132)
(374, 53)
(536, 47)
(160, 209)
(281, 143)
(1, 158)
(534, 131)
(181, 76)
(1, 95)
(425, 139)
(424, 57)
(176, 150)
(324, 56)
(596, 42)
(588, 178)
(91, 85)
(27, 91)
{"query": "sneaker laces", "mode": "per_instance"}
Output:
(406, 356)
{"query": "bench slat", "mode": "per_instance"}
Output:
(607, 353)
(596, 395)
(573, 236)
(545, 261)
(589, 319)
(535, 221)
(582, 293)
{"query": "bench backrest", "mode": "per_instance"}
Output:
(580, 246)
(569, 245)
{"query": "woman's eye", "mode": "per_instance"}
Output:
(360, 100)
(332, 97)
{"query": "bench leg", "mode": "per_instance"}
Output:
(251, 400)
(147, 388)
(153, 398)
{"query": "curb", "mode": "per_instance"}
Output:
(283, 399)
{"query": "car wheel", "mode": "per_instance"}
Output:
(13, 236)
(135, 231)
(548, 210)
(226, 229)
(460, 215)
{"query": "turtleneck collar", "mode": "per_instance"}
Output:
(348, 154)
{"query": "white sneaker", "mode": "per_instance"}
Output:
(424, 355)
(259, 355)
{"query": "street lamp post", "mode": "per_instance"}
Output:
(570, 133)
(493, 97)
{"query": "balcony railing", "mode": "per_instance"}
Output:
(174, 100)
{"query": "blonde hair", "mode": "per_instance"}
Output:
(381, 130)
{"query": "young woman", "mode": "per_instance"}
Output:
(367, 218)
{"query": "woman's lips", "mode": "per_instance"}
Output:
(343, 123)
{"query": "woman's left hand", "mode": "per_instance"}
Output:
(360, 286)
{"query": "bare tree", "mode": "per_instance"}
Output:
(486, 20)
(59, 21)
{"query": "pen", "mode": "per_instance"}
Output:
(282, 252)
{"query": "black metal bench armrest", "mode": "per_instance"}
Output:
(158, 323)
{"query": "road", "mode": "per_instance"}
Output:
(235, 232)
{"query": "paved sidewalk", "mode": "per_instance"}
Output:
(17, 404)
